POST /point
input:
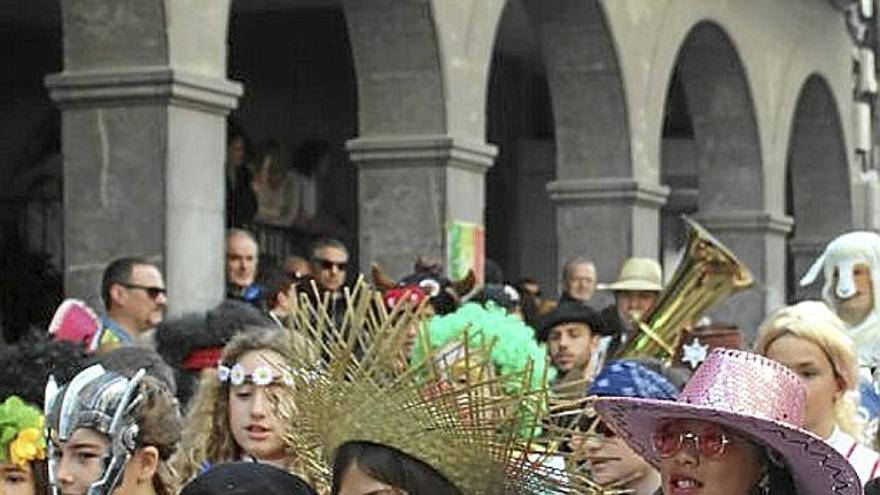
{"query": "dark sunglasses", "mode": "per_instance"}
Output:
(710, 444)
(152, 292)
(327, 264)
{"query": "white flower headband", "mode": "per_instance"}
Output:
(261, 376)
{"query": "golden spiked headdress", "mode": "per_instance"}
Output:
(466, 427)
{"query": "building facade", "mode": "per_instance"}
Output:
(571, 127)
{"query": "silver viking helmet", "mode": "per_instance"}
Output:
(103, 401)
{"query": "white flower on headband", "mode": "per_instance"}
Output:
(223, 373)
(237, 375)
(262, 376)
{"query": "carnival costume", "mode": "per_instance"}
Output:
(750, 395)
(103, 401)
(21, 432)
(840, 257)
(468, 431)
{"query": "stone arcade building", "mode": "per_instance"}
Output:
(564, 126)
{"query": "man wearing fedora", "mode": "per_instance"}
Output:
(638, 284)
(572, 332)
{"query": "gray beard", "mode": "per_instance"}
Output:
(851, 315)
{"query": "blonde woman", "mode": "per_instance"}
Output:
(231, 417)
(811, 340)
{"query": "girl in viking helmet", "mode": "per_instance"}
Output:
(111, 433)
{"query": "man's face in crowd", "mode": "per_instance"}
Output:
(855, 309)
(142, 299)
(571, 345)
(580, 281)
(329, 265)
(241, 261)
(634, 303)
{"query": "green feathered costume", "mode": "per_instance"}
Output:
(514, 347)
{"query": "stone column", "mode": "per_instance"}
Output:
(410, 187)
(143, 138)
(607, 219)
(758, 239)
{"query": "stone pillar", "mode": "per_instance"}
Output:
(758, 239)
(143, 138)
(608, 220)
(409, 188)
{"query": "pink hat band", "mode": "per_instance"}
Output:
(736, 381)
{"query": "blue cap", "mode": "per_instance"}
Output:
(631, 379)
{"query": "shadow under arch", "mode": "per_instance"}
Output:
(818, 188)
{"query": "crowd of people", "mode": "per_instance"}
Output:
(307, 379)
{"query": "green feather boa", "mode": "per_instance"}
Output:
(514, 347)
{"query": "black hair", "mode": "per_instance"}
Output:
(309, 154)
(391, 466)
(178, 337)
(127, 360)
(873, 487)
(26, 366)
(326, 242)
(119, 272)
(275, 281)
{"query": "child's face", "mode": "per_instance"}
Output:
(79, 462)
(17, 480)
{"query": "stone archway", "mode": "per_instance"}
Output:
(726, 173)
(820, 196)
(520, 221)
(604, 210)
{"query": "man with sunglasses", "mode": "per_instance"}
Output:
(134, 299)
(329, 264)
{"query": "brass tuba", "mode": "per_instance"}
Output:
(707, 274)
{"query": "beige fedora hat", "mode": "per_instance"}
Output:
(637, 274)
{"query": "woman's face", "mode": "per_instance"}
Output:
(691, 470)
(823, 388)
(612, 462)
(17, 480)
(255, 427)
(356, 482)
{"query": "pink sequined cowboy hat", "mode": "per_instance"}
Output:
(752, 396)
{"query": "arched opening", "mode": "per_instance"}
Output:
(520, 221)
(817, 183)
(31, 223)
(711, 160)
(299, 107)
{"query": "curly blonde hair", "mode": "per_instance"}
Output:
(207, 438)
(814, 322)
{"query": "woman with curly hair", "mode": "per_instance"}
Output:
(231, 417)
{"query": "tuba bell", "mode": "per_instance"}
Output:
(707, 274)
